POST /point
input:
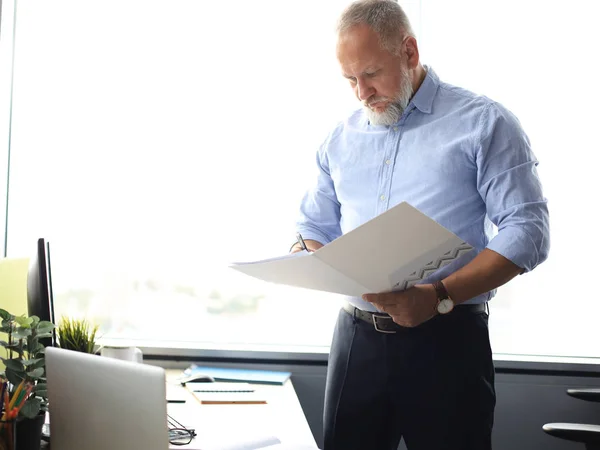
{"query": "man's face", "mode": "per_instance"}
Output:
(380, 79)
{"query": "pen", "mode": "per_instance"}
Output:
(21, 401)
(2, 397)
(301, 241)
(16, 394)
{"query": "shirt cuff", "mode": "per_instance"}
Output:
(517, 246)
(314, 236)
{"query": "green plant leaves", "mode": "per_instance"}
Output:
(21, 333)
(45, 327)
(77, 335)
(31, 362)
(15, 377)
(9, 346)
(43, 393)
(13, 364)
(23, 321)
(31, 408)
(36, 373)
(34, 363)
(39, 388)
(44, 335)
(26, 358)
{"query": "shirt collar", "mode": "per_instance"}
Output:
(423, 98)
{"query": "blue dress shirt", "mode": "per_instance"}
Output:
(460, 158)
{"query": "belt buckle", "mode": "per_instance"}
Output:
(374, 317)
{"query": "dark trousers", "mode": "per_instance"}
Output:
(432, 385)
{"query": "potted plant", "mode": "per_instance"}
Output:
(25, 370)
(77, 334)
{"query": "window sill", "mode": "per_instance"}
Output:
(312, 355)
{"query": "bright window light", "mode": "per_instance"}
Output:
(155, 141)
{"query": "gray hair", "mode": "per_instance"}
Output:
(385, 17)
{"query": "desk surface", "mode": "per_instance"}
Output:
(281, 417)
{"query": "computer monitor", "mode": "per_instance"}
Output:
(39, 287)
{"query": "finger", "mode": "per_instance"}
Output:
(371, 298)
(385, 298)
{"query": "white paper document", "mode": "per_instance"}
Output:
(228, 443)
(393, 251)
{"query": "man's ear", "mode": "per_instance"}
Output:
(412, 52)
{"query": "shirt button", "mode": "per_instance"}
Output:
(395, 128)
(387, 161)
(382, 197)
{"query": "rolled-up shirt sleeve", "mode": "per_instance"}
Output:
(509, 184)
(319, 217)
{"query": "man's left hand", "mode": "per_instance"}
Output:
(408, 308)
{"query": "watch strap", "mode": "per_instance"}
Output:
(440, 290)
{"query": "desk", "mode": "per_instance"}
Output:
(282, 417)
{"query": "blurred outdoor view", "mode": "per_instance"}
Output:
(153, 142)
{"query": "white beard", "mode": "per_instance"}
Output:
(394, 110)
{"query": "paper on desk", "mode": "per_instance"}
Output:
(230, 396)
(393, 251)
(177, 393)
(255, 443)
(290, 447)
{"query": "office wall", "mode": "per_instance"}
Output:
(528, 395)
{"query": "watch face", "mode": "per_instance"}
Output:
(445, 306)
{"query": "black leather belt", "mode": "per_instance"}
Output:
(385, 324)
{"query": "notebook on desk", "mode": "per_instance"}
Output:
(238, 375)
(219, 393)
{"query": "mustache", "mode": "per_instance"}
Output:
(372, 101)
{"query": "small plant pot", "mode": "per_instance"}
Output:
(29, 433)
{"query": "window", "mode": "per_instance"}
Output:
(155, 141)
(6, 53)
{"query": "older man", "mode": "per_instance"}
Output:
(425, 372)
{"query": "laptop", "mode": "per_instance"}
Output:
(99, 403)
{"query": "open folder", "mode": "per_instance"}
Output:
(393, 251)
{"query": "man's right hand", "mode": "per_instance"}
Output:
(311, 245)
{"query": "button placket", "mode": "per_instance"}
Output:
(383, 199)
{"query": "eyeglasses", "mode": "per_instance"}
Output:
(178, 434)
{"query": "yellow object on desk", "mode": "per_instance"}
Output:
(13, 288)
(221, 393)
(13, 285)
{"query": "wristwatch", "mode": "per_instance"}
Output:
(445, 303)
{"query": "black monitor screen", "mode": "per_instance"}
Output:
(39, 287)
